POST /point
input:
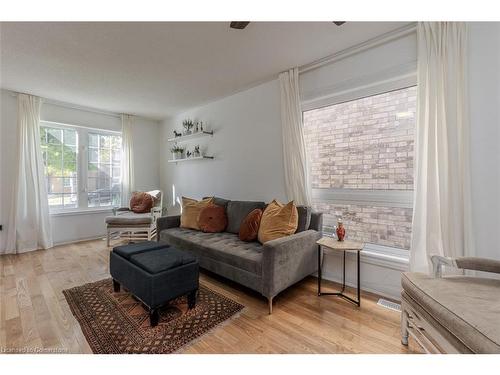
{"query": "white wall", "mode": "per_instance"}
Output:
(247, 146)
(76, 226)
(484, 90)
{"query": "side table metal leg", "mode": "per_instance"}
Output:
(319, 270)
(359, 280)
(343, 276)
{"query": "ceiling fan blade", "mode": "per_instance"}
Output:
(339, 23)
(239, 25)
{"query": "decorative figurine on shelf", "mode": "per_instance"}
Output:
(188, 154)
(196, 152)
(177, 134)
(187, 124)
(196, 127)
(201, 126)
(340, 230)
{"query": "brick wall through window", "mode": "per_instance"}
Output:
(365, 144)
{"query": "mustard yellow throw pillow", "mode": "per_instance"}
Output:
(191, 209)
(278, 220)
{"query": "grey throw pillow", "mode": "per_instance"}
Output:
(304, 218)
(237, 211)
(220, 201)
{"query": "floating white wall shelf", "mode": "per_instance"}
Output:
(183, 138)
(192, 158)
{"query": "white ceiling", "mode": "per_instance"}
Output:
(160, 69)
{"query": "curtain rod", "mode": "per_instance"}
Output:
(371, 43)
(70, 106)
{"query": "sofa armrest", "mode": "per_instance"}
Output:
(166, 222)
(287, 260)
(466, 263)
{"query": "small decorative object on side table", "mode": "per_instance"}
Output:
(344, 246)
(340, 230)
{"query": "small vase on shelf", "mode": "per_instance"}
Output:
(340, 230)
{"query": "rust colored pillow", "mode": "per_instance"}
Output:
(250, 226)
(212, 219)
(141, 202)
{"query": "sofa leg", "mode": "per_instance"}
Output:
(404, 327)
(270, 304)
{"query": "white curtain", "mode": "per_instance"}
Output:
(297, 183)
(442, 206)
(128, 179)
(29, 223)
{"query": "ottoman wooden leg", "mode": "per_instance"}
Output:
(192, 299)
(116, 286)
(154, 316)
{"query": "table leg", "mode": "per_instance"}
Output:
(343, 276)
(359, 280)
(319, 270)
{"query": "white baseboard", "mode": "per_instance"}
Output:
(103, 237)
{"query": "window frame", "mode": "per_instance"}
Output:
(82, 165)
(384, 198)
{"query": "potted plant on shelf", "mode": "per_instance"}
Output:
(177, 152)
(187, 124)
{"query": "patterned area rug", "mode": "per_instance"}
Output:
(116, 323)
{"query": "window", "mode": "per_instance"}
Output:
(103, 170)
(59, 150)
(361, 159)
(69, 186)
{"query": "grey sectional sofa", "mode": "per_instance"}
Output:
(269, 268)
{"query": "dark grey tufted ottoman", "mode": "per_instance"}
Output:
(155, 273)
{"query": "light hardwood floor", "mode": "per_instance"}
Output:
(34, 313)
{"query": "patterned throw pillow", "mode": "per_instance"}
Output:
(212, 219)
(141, 202)
(278, 220)
(191, 209)
(249, 228)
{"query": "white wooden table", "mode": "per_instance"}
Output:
(344, 246)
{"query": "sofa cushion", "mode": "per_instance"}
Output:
(212, 219)
(125, 218)
(278, 220)
(304, 221)
(127, 251)
(237, 211)
(249, 228)
(191, 209)
(223, 247)
(156, 261)
(219, 201)
(468, 307)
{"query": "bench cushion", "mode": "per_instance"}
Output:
(127, 251)
(159, 260)
(224, 247)
(129, 218)
(468, 307)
